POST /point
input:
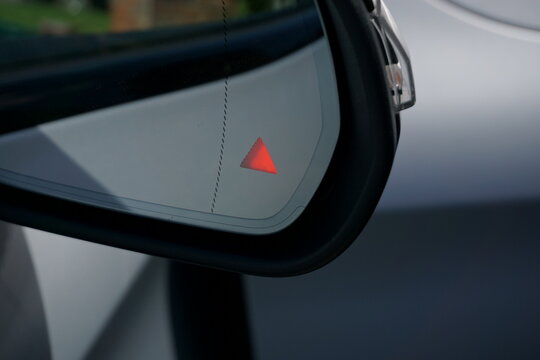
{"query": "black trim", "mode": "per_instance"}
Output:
(338, 212)
(47, 78)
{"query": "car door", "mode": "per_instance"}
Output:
(447, 268)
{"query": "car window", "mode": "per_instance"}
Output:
(37, 33)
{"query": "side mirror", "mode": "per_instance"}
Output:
(259, 145)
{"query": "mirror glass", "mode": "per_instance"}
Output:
(214, 113)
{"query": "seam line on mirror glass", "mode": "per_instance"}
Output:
(225, 100)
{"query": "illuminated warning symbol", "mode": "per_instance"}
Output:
(259, 159)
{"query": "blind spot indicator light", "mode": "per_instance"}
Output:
(258, 158)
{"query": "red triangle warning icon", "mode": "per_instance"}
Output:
(258, 158)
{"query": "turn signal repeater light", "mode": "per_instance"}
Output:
(398, 64)
(258, 158)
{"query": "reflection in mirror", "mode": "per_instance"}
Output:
(63, 17)
(35, 33)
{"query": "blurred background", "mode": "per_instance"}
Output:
(60, 17)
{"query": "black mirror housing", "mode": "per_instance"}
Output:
(336, 213)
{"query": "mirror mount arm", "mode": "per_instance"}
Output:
(209, 314)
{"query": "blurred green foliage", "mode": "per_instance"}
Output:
(248, 7)
(30, 16)
(258, 5)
